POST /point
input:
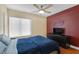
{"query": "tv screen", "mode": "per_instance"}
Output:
(59, 31)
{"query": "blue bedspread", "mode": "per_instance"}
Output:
(36, 44)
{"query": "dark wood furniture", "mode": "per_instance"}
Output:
(63, 40)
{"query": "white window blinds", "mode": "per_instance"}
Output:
(19, 27)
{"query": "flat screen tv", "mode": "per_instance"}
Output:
(59, 31)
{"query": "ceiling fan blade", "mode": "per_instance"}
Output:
(41, 7)
(48, 6)
(36, 6)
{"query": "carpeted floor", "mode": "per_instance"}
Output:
(69, 51)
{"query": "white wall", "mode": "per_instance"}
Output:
(3, 20)
(1, 23)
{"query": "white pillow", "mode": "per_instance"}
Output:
(2, 47)
(5, 39)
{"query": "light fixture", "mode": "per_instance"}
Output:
(41, 12)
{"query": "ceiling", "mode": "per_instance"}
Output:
(55, 8)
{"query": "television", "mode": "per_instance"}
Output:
(59, 31)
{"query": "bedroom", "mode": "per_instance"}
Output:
(38, 24)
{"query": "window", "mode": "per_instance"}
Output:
(19, 27)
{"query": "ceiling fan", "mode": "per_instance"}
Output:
(43, 8)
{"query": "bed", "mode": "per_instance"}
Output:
(32, 45)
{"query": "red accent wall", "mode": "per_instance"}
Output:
(68, 19)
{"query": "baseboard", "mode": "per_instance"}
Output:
(74, 47)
